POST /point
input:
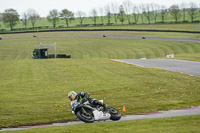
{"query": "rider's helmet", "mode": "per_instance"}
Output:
(72, 95)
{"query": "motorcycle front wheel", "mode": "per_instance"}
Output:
(85, 116)
(115, 114)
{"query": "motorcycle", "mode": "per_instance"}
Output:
(89, 113)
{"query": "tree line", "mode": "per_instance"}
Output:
(126, 11)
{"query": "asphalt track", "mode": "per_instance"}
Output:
(160, 114)
(155, 38)
(109, 36)
(188, 67)
(141, 37)
(136, 37)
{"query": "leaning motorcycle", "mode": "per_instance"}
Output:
(89, 113)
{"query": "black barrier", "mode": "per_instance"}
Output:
(59, 56)
(104, 30)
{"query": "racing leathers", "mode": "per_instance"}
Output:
(84, 97)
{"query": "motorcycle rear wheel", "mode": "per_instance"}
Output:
(88, 118)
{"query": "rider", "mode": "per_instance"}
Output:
(83, 97)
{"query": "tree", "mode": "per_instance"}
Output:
(81, 15)
(53, 17)
(163, 13)
(155, 8)
(67, 16)
(127, 6)
(108, 14)
(101, 11)
(147, 13)
(192, 10)
(183, 8)
(94, 15)
(142, 11)
(199, 10)
(10, 18)
(175, 12)
(115, 10)
(25, 19)
(1, 17)
(32, 16)
(136, 13)
(121, 14)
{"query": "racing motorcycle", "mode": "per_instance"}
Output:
(89, 113)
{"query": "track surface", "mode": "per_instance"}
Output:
(109, 36)
(155, 38)
(160, 114)
(188, 67)
(136, 37)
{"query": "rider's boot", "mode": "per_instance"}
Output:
(104, 107)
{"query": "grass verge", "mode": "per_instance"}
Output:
(20, 46)
(184, 124)
(34, 91)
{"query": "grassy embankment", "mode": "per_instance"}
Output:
(138, 47)
(88, 23)
(34, 91)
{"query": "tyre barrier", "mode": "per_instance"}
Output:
(59, 56)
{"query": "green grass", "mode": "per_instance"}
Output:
(191, 57)
(34, 91)
(175, 27)
(178, 27)
(184, 124)
(20, 46)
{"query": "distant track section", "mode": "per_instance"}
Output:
(182, 66)
(120, 36)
